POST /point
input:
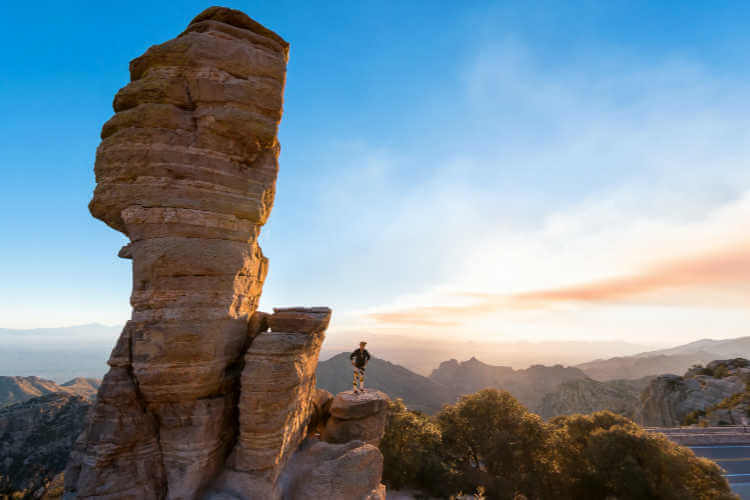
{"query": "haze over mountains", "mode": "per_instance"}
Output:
(64, 353)
(674, 360)
(59, 354)
(422, 355)
(47, 352)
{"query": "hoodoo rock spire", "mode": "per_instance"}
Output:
(205, 396)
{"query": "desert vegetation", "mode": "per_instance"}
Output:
(489, 439)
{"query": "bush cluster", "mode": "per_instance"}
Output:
(489, 439)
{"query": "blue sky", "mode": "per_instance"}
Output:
(434, 154)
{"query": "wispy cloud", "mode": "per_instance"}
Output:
(547, 192)
(722, 268)
(727, 268)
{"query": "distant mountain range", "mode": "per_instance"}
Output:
(419, 392)
(675, 360)
(450, 381)
(19, 389)
(57, 353)
(528, 385)
(625, 383)
(424, 355)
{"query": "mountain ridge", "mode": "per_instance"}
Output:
(15, 389)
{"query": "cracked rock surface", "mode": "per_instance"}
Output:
(206, 397)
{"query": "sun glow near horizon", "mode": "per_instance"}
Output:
(506, 178)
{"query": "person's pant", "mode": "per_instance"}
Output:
(359, 379)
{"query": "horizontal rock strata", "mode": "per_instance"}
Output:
(186, 169)
(207, 398)
(359, 416)
(276, 402)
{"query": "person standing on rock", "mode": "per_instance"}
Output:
(359, 359)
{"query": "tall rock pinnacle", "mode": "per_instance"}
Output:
(205, 397)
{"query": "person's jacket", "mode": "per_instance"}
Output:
(360, 358)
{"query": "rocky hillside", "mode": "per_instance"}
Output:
(714, 393)
(36, 437)
(588, 396)
(418, 392)
(671, 400)
(675, 360)
(528, 386)
(734, 410)
(548, 390)
(635, 367)
(18, 389)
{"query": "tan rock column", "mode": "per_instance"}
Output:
(186, 169)
(276, 402)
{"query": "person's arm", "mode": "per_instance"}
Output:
(351, 357)
(367, 356)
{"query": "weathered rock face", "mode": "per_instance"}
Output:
(321, 411)
(276, 402)
(734, 410)
(669, 399)
(359, 416)
(35, 439)
(588, 396)
(186, 169)
(201, 399)
(335, 472)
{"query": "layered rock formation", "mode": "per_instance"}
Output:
(276, 402)
(201, 399)
(340, 458)
(35, 440)
(357, 417)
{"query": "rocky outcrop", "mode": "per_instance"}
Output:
(335, 472)
(276, 402)
(671, 400)
(186, 169)
(35, 440)
(357, 416)
(205, 397)
(589, 396)
(321, 410)
(342, 461)
(734, 410)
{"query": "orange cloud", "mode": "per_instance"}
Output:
(723, 269)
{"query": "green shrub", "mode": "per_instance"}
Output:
(490, 439)
(411, 451)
